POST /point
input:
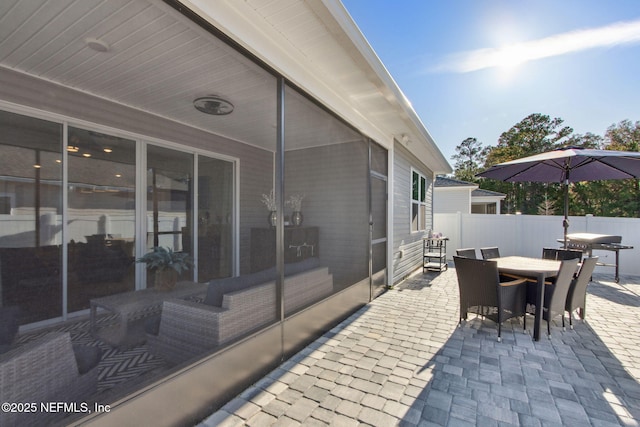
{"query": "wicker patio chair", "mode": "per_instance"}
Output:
(9, 324)
(481, 292)
(560, 254)
(577, 295)
(467, 253)
(555, 293)
(47, 369)
(488, 253)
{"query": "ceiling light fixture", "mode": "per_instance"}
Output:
(107, 150)
(214, 105)
(97, 45)
(86, 155)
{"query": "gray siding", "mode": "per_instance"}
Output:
(256, 165)
(407, 246)
(334, 180)
(452, 201)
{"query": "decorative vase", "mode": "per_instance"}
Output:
(273, 218)
(166, 279)
(296, 218)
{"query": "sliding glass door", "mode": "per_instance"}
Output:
(31, 216)
(101, 225)
(169, 201)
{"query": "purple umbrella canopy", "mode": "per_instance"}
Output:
(572, 163)
(568, 164)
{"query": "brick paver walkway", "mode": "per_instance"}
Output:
(402, 360)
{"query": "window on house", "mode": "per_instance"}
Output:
(418, 202)
(5, 205)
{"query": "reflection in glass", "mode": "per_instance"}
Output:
(379, 207)
(30, 216)
(101, 212)
(215, 214)
(169, 201)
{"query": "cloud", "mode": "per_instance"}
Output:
(574, 41)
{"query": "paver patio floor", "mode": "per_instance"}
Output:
(403, 360)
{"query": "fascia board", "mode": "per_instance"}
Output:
(342, 17)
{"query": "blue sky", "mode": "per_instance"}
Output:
(454, 60)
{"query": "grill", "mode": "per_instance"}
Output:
(588, 242)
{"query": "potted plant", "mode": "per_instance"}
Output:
(166, 266)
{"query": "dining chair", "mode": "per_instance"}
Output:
(550, 253)
(577, 294)
(467, 253)
(488, 253)
(560, 254)
(481, 292)
(555, 293)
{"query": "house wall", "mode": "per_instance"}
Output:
(407, 245)
(452, 201)
(256, 165)
(334, 180)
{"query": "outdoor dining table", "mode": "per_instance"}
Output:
(535, 268)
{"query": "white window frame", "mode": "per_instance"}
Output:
(420, 203)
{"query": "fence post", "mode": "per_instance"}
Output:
(459, 226)
(586, 222)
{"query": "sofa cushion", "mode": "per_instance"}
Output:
(217, 288)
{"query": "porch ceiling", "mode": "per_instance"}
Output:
(159, 61)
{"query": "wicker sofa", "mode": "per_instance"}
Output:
(48, 369)
(233, 307)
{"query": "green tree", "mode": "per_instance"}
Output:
(470, 156)
(588, 140)
(536, 133)
(624, 136)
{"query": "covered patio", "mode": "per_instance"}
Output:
(403, 360)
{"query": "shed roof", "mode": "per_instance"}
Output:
(479, 192)
(443, 181)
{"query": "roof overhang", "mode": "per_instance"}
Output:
(318, 47)
(456, 188)
(485, 199)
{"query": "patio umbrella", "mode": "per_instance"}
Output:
(566, 165)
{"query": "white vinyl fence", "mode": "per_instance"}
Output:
(526, 235)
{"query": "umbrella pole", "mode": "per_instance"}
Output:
(565, 222)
